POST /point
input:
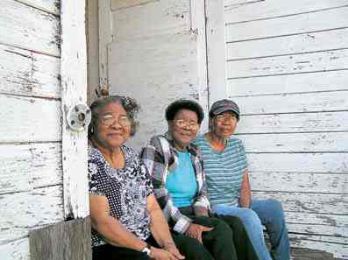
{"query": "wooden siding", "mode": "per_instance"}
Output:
(154, 51)
(30, 144)
(287, 67)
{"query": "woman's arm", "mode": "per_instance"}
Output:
(160, 229)
(110, 228)
(245, 192)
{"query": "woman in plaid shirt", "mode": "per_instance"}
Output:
(179, 186)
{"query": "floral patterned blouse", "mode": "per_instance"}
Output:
(126, 190)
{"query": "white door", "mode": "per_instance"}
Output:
(155, 52)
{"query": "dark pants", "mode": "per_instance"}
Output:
(243, 245)
(189, 247)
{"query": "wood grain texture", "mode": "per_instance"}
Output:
(162, 17)
(296, 142)
(287, 25)
(29, 119)
(299, 43)
(24, 211)
(299, 162)
(292, 123)
(284, 84)
(304, 202)
(33, 74)
(239, 11)
(288, 64)
(29, 28)
(74, 91)
(168, 66)
(50, 6)
(300, 182)
(15, 250)
(319, 219)
(64, 240)
(294, 103)
(28, 166)
(121, 4)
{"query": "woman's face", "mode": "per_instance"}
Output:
(184, 127)
(224, 124)
(113, 126)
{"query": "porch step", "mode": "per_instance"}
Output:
(310, 254)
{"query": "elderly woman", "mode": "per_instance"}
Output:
(179, 183)
(126, 219)
(228, 183)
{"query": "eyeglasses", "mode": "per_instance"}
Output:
(225, 118)
(108, 120)
(181, 123)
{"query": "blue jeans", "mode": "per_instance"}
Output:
(262, 212)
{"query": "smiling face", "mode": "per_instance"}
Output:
(184, 127)
(113, 126)
(224, 125)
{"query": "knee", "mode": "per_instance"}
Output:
(221, 227)
(276, 208)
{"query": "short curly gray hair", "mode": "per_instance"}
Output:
(129, 104)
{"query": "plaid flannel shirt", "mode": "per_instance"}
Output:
(159, 162)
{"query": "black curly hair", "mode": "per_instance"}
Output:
(129, 104)
(179, 104)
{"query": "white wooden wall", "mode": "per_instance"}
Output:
(30, 129)
(153, 51)
(287, 67)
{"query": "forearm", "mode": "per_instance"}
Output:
(116, 234)
(245, 194)
(160, 229)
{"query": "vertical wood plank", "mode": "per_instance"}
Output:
(74, 88)
(65, 240)
(215, 34)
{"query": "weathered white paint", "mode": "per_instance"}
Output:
(296, 142)
(292, 123)
(300, 182)
(299, 162)
(49, 6)
(74, 89)
(23, 211)
(303, 202)
(119, 4)
(299, 43)
(288, 64)
(151, 19)
(216, 53)
(290, 103)
(239, 11)
(27, 119)
(287, 25)
(157, 55)
(15, 250)
(28, 166)
(29, 28)
(287, 68)
(33, 74)
(293, 83)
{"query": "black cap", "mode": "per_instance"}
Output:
(224, 105)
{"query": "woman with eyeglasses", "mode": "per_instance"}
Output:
(179, 185)
(226, 169)
(127, 222)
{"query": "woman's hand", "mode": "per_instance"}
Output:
(195, 231)
(171, 247)
(162, 254)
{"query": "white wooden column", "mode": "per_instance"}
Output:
(216, 56)
(74, 91)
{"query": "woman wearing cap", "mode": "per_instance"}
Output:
(179, 183)
(225, 165)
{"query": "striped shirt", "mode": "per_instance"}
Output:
(224, 170)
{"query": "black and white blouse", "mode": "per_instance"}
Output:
(126, 190)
